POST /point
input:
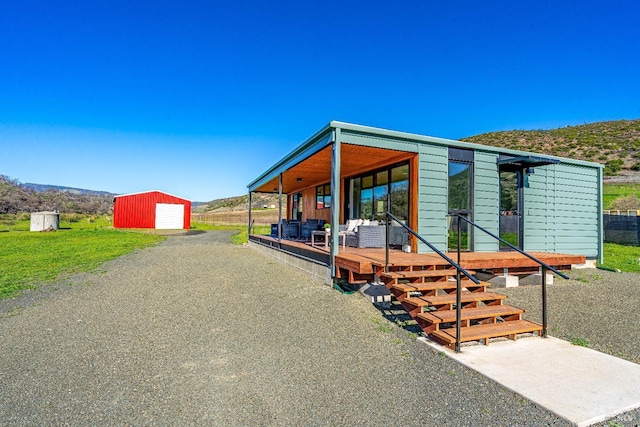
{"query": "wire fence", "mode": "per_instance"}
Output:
(260, 217)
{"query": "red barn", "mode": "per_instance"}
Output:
(152, 209)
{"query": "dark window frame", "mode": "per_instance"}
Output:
(463, 156)
(373, 173)
(323, 191)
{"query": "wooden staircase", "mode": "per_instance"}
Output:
(429, 296)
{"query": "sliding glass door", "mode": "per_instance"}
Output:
(511, 208)
(369, 194)
(460, 198)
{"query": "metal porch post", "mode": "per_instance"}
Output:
(335, 201)
(279, 208)
(249, 217)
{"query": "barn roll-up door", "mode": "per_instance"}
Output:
(169, 216)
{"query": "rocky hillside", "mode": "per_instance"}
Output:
(615, 144)
(16, 197)
(258, 201)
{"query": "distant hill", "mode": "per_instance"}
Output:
(258, 201)
(615, 144)
(40, 188)
(16, 197)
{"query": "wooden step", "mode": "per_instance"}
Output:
(486, 331)
(415, 305)
(419, 276)
(430, 321)
(403, 290)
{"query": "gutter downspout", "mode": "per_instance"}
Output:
(335, 200)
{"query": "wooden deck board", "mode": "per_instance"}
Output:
(366, 261)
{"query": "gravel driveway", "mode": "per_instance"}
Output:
(198, 331)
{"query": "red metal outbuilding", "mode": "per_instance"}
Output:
(152, 209)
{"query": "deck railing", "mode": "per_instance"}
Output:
(459, 270)
(456, 265)
(543, 265)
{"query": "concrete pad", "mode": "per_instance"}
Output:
(506, 281)
(376, 293)
(576, 383)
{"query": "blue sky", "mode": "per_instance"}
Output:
(198, 98)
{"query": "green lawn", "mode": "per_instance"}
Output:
(623, 258)
(240, 237)
(611, 192)
(81, 244)
(27, 259)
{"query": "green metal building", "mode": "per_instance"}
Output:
(537, 202)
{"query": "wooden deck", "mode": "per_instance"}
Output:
(356, 265)
(422, 285)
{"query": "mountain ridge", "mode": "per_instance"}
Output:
(614, 143)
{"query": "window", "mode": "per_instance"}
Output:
(460, 197)
(399, 190)
(370, 193)
(296, 209)
(323, 196)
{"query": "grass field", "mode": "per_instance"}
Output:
(623, 258)
(27, 259)
(612, 192)
(81, 244)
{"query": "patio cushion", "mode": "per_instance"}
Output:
(352, 224)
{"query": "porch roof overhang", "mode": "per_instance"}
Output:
(310, 164)
(268, 181)
(523, 162)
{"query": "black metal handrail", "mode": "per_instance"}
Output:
(423, 240)
(457, 266)
(544, 268)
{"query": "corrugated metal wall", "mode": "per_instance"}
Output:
(139, 210)
(561, 210)
(433, 176)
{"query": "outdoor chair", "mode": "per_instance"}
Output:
(307, 227)
(364, 234)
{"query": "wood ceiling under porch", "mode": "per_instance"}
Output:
(316, 169)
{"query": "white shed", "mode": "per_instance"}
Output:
(41, 221)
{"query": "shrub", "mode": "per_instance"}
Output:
(612, 167)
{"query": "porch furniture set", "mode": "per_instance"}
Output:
(355, 233)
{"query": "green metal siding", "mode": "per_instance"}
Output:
(561, 210)
(486, 200)
(349, 137)
(432, 196)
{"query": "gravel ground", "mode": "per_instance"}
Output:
(197, 331)
(599, 309)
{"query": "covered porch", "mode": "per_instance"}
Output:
(333, 178)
